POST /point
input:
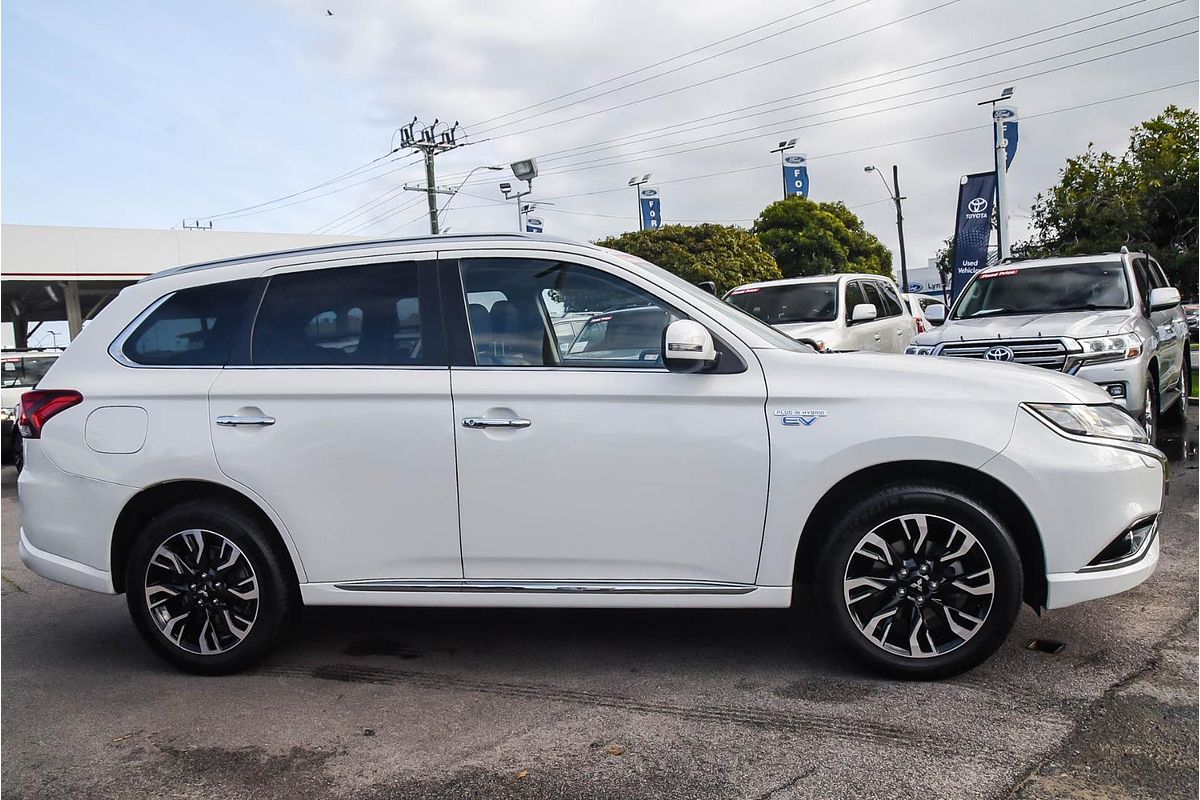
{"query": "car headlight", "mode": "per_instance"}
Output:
(919, 350)
(1102, 422)
(1111, 348)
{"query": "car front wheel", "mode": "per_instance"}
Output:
(920, 581)
(207, 589)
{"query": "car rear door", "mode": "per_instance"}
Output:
(597, 464)
(337, 414)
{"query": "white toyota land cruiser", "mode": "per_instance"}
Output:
(395, 423)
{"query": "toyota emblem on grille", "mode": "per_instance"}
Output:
(999, 353)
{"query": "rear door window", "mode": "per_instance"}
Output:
(194, 327)
(890, 299)
(871, 290)
(348, 316)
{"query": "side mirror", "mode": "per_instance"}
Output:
(864, 312)
(936, 314)
(1163, 298)
(708, 286)
(687, 346)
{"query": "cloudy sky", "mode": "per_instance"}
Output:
(140, 114)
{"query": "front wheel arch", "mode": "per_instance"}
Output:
(956, 477)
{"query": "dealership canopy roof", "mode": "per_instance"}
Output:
(54, 273)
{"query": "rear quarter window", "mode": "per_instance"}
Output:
(194, 327)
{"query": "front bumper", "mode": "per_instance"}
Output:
(1129, 375)
(1082, 495)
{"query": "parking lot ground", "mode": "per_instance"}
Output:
(549, 704)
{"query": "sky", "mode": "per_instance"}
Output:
(143, 114)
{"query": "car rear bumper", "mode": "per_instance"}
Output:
(64, 570)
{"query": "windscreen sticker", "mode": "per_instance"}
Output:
(1001, 274)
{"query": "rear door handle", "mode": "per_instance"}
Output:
(494, 422)
(259, 420)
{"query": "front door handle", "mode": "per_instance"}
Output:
(494, 422)
(877, 337)
(249, 420)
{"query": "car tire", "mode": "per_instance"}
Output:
(919, 581)
(208, 589)
(1177, 415)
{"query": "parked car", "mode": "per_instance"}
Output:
(917, 303)
(1111, 319)
(1191, 312)
(226, 442)
(833, 313)
(20, 370)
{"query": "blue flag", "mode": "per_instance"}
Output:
(795, 175)
(973, 228)
(651, 208)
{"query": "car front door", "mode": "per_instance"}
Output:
(1171, 328)
(337, 414)
(901, 327)
(595, 463)
(877, 334)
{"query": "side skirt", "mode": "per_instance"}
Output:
(546, 594)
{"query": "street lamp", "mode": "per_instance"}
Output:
(894, 193)
(1000, 146)
(636, 183)
(784, 146)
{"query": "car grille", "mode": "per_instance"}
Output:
(1048, 353)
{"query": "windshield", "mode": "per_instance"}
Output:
(717, 306)
(1045, 290)
(784, 303)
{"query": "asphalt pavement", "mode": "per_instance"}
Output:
(614, 704)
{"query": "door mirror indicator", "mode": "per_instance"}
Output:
(864, 312)
(687, 346)
(1163, 298)
(936, 314)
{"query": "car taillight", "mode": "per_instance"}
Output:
(38, 406)
(920, 325)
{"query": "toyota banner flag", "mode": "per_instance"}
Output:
(795, 175)
(651, 208)
(1009, 115)
(534, 225)
(973, 228)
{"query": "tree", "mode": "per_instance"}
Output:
(727, 255)
(811, 238)
(1144, 199)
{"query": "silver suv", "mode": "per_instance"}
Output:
(1111, 319)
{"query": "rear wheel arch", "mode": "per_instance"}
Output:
(154, 500)
(996, 496)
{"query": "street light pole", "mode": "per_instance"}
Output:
(1003, 246)
(894, 193)
(784, 146)
(636, 183)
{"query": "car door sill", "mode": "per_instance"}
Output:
(550, 587)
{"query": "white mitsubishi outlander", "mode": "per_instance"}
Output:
(395, 423)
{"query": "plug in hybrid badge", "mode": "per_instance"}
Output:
(803, 417)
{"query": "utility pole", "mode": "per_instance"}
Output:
(894, 193)
(429, 142)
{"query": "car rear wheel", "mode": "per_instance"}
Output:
(207, 589)
(920, 581)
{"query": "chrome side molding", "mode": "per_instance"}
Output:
(550, 587)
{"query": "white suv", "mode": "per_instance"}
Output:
(395, 424)
(839, 313)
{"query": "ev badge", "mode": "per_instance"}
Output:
(805, 417)
(999, 353)
(977, 205)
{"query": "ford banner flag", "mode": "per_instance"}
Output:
(1011, 131)
(795, 175)
(651, 208)
(973, 228)
(534, 225)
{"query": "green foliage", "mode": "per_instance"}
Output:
(1145, 199)
(944, 260)
(727, 255)
(811, 238)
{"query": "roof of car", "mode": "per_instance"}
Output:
(448, 240)
(811, 279)
(1057, 261)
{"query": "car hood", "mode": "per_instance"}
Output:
(882, 376)
(1074, 324)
